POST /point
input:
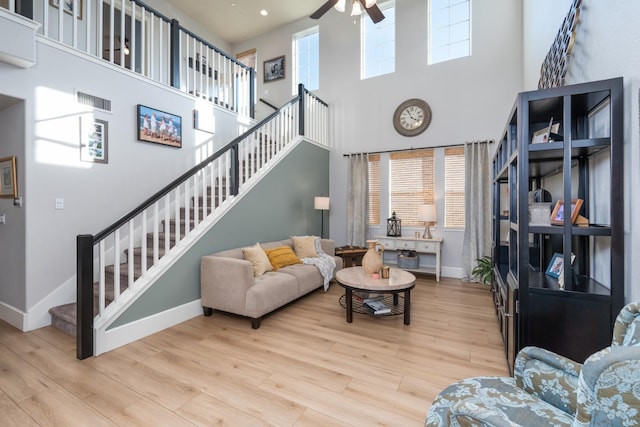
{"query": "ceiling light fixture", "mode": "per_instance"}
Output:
(264, 12)
(356, 9)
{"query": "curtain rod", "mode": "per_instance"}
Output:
(491, 141)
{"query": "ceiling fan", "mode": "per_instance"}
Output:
(369, 6)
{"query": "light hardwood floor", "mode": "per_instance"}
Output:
(305, 366)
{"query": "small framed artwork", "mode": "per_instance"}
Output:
(159, 127)
(274, 69)
(557, 216)
(94, 140)
(544, 135)
(556, 266)
(8, 178)
(68, 6)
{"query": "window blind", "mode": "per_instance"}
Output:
(374, 189)
(411, 183)
(454, 179)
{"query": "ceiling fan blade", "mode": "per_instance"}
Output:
(374, 12)
(323, 9)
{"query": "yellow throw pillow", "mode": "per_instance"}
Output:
(281, 257)
(258, 258)
(305, 246)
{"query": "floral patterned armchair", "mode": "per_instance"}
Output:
(549, 389)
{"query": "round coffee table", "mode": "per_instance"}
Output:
(355, 279)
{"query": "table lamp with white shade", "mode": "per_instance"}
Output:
(427, 213)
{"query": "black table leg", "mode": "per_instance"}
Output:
(407, 306)
(349, 297)
(395, 298)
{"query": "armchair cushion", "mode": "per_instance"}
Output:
(548, 376)
(492, 401)
(609, 388)
(626, 330)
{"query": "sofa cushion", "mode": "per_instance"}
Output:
(304, 246)
(258, 258)
(308, 276)
(281, 257)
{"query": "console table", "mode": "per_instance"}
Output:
(421, 246)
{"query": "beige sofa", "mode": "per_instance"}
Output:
(228, 284)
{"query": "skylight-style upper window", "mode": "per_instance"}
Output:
(306, 59)
(449, 30)
(378, 43)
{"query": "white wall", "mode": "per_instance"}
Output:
(607, 40)
(470, 97)
(95, 195)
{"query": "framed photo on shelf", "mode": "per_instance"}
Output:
(68, 6)
(556, 265)
(94, 140)
(274, 69)
(544, 135)
(557, 216)
(8, 178)
(159, 127)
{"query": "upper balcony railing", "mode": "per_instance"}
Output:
(134, 36)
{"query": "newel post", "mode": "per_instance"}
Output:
(252, 93)
(301, 109)
(84, 289)
(175, 53)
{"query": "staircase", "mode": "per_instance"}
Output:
(119, 264)
(64, 317)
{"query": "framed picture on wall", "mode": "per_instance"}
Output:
(274, 69)
(68, 6)
(159, 127)
(94, 140)
(8, 178)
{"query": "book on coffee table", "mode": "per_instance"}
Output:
(364, 297)
(377, 307)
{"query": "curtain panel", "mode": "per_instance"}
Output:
(477, 233)
(358, 199)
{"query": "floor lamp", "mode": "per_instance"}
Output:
(321, 204)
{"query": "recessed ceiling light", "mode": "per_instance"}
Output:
(264, 12)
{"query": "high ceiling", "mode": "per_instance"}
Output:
(238, 20)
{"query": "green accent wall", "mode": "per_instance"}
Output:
(279, 206)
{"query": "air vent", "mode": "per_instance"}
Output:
(93, 101)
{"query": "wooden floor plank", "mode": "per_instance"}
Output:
(305, 366)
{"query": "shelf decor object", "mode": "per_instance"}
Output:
(394, 226)
(557, 216)
(542, 297)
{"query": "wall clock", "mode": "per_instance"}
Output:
(412, 117)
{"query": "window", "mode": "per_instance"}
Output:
(411, 183)
(306, 59)
(374, 189)
(378, 43)
(454, 179)
(449, 29)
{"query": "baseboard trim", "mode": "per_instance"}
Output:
(117, 337)
(13, 316)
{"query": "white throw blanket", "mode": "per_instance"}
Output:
(325, 263)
